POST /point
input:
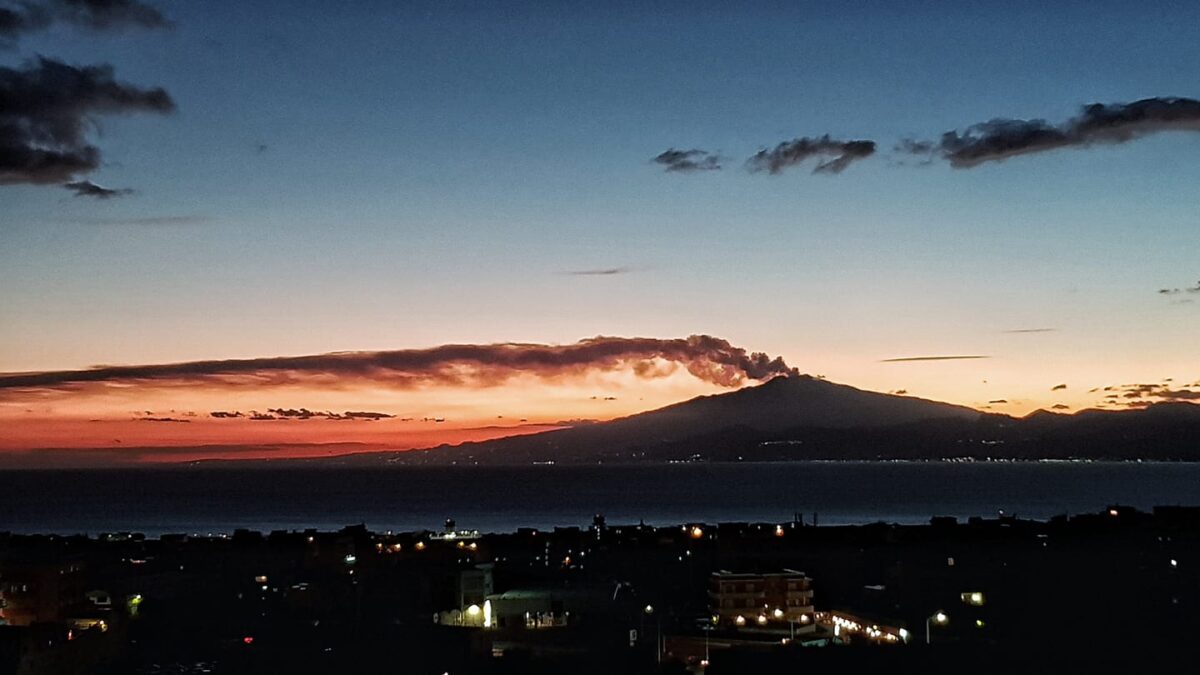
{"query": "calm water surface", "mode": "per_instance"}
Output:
(202, 500)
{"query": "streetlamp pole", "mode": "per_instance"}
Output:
(658, 641)
(707, 630)
(940, 618)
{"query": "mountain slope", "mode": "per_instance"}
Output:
(755, 413)
(803, 418)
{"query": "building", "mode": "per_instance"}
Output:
(40, 591)
(772, 600)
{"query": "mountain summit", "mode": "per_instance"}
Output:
(801, 417)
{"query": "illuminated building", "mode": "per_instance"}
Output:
(853, 627)
(779, 599)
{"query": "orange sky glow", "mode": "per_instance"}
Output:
(350, 402)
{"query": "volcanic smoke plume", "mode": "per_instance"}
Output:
(708, 358)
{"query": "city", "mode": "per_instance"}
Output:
(1003, 593)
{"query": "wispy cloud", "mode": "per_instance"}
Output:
(144, 221)
(598, 272)
(708, 358)
(28, 16)
(86, 188)
(687, 161)
(1177, 291)
(935, 358)
(1160, 392)
(1097, 123)
(833, 156)
(301, 414)
(1030, 330)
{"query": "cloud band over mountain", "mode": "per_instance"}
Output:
(709, 358)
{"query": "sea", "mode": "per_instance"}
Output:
(207, 500)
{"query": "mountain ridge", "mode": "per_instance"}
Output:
(807, 418)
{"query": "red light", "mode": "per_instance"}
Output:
(248, 640)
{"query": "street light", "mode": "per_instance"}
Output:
(707, 630)
(940, 618)
(648, 610)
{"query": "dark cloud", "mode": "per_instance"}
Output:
(933, 358)
(86, 188)
(687, 161)
(27, 16)
(1058, 387)
(1060, 406)
(223, 414)
(46, 108)
(599, 272)
(1178, 395)
(363, 415)
(1030, 330)
(999, 400)
(708, 358)
(1177, 291)
(832, 156)
(162, 419)
(1155, 392)
(1097, 123)
(306, 414)
(17, 19)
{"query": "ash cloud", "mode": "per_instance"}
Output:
(709, 358)
(833, 156)
(1096, 124)
(86, 188)
(687, 161)
(46, 108)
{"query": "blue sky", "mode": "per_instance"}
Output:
(430, 171)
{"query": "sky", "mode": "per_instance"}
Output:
(843, 185)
